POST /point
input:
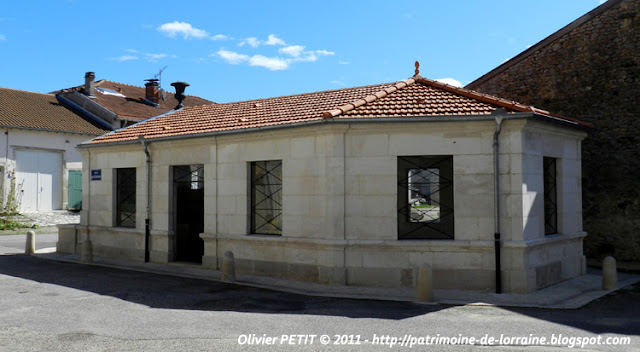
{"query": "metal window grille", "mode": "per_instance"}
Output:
(550, 196)
(126, 197)
(266, 197)
(191, 176)
(425, 197)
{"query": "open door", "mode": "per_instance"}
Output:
(188, 188)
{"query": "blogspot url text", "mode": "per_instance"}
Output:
(410, 341)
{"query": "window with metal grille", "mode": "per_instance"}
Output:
(126, 197)
(425, 197)
(189, 176)
(266, 197)
(550, 196)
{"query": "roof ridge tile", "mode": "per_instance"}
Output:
(367, 99)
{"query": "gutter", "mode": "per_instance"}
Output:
(496, 208)
(147, 220)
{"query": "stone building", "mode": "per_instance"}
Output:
(591, 69)
(358, 186)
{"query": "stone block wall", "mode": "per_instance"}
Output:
(340, 194)
(590, 70)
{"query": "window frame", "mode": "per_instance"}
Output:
(550, 195)
(122, 196)
(443, 228)
(257, 227)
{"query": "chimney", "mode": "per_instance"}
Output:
(151, 93)
(90, 84)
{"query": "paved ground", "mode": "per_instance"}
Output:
(48, 305)
(53, 306)
(16, 243)
(49, 218)
(44, 222)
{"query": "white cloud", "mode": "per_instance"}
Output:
(273, 40)
(124, 58)
(291, 54)
(255, 42)
(271, 63)
(338, 83)
(450, 81)
(343, 62)
(185, 29)
(292, 50)
(232, 57)
(325, 53)
(156, 57)
(219, 37)
(252, 41)
(308, 57)
(2, 38)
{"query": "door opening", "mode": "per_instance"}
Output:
(188, 188)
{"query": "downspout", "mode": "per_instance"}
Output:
(496, 208)
(88, 205)
(344, 204)
(147, 220)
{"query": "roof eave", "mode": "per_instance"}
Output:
(49, 130)
(343, 120)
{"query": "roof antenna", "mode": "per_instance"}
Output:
(417, 68)
(158, 76)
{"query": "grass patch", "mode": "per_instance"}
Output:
(424, 206)
(8, 224)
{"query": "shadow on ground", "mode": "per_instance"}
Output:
(170, 292)
(618, 312)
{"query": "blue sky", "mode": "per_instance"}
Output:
(239, 50)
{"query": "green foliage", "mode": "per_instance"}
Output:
(9, 208)
(10, 224)
(11, 205)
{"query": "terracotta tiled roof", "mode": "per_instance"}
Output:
(132, 106)
(22, 109)
(415, 97)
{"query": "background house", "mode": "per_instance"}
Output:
(39, 157)
(591, 69)
(116, 105)
(326, 187)
(43, 130)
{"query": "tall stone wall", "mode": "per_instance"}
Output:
(592, 72)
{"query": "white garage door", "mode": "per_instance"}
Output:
(38, 180)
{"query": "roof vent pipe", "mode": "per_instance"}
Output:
(90, 84)
(151, 92)
(180, 87)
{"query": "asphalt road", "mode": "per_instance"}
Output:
(54, 306)
(16, 243)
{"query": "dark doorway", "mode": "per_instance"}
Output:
(188, 190)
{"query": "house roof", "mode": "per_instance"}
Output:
(37, 111)
(130, 104)
(541, 44)
(415, 97)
